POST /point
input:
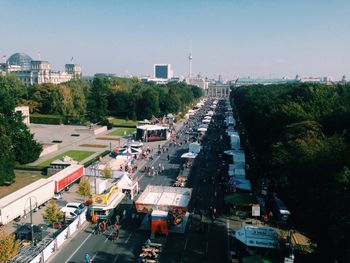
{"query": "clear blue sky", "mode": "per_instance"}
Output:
(260, 38)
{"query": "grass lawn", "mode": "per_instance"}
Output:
(22, 179)
(122, 131)
(75, 155)
(122, 122)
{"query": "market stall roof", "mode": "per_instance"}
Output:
(125, 182)
(242, 184)
(237, 173)
(206, 121)
(208, 117)
(112, 203)
(202, 129)
(232, 152)
(238, 157)
(164, 196)
(135, 144)
(189, 155)
(129, 150)
(264, 237)
(149, 127)
(194, 147)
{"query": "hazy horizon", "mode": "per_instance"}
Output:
(230, 38)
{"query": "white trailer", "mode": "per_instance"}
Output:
(18, 203)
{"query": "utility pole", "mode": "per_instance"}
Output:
(31, 219)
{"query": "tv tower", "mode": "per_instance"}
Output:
(190, 65)
(190, 61)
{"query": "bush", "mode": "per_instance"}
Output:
(46, 119)
(105, 122)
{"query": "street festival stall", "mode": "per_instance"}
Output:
(149, 133)
(171, 200)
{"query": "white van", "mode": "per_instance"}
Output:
(70, 213)
(79, 206)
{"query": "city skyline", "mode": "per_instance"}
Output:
(229, 38)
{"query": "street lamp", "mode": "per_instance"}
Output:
(31, 214)
(94, 166)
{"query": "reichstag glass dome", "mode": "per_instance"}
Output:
(20, 59)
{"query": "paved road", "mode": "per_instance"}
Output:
(193, 246)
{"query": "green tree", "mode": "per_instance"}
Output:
(7, 157)
(107, 172)
(25, 148)
(97, 100)
(84, 188)
(9, 246)
(52, 214)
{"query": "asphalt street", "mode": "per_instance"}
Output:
(207, 245)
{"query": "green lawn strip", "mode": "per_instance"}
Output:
(122, 132)
(122, 122)
(75, 155)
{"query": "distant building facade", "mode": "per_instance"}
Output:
(218, 90)
(31, 71)
(199, 82)
(163, 71)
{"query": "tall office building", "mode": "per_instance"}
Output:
(163, 71)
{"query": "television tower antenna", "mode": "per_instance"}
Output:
(190, 62)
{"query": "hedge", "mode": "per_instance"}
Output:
(88, 163)
(46, 119)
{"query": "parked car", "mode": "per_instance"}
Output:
(78, 206)
(57, 196)
(70, 213)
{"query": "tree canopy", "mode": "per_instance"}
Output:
(16, 141)
(109, 96)
(297, 136)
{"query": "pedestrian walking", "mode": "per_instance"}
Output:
(117, 218)
(124, 213)
(168, 157)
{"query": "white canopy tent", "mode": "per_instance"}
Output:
(194, 147)
(237, 173)
(206, 121)
(242, 184)
(235, 141)
(189, 155)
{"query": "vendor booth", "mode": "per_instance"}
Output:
(149, 133)
(173, 201)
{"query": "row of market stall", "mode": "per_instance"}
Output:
(240, 196)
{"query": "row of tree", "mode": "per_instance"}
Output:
(16, 142)
(298, 137)
(109, 96)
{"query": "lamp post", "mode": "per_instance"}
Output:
(31, 215)
(94, 166)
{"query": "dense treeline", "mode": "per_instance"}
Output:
(109, 96)
(298, 137)
(83, 101)
(16, 141)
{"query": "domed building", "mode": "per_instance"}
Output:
(20, 59)
(31, 71)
